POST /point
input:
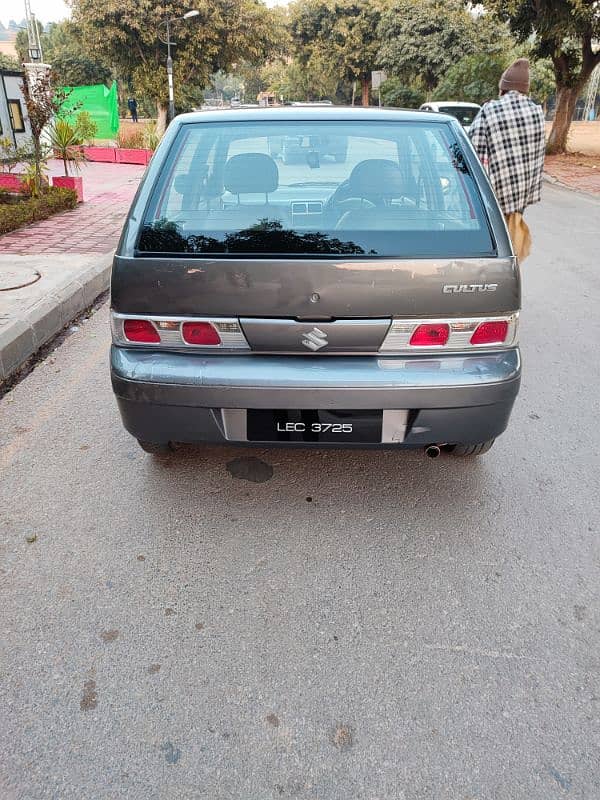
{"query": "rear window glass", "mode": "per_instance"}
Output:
(464, 114)
(316, 188)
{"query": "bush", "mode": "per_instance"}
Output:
(32, 209)
(395, 93)
(131, 140)
(86, 127)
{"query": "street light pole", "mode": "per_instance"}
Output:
(170, 73)
(168, 21)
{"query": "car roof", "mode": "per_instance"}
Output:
(458, 103)
(291, 113)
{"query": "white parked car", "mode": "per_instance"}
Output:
(465, 113)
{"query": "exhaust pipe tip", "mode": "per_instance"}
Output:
(432, 451)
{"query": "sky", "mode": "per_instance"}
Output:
(51, 10)
(44, 10)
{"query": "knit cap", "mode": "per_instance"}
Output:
(516, 77)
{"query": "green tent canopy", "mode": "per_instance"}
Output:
(101, 104)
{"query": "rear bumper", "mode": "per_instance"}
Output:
(180, 397)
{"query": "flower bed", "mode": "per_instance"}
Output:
(18, 211)
(120, 155)
(130, 155)
(11, 182)
(100, 154)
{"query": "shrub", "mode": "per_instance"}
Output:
(151, 136)
(66, 142)
(131, 140)
(396, 93)
(86, 127)
(31, 209)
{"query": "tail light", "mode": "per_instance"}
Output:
(430, 334)
(406, 336)
(200, 333)
(493, 332)
(172, 333)
(140, 330)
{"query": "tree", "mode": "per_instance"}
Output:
(126, 34)
(564, 32)
(473, 79)
(338, 38)
(44, 102)
(9, 62)
(424, 38)
(64, 50)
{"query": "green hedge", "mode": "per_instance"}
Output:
(14, 215)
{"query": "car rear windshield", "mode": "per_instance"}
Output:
(316, 188)
(464, 114)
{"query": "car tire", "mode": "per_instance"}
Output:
(469, 449)
(156, 448)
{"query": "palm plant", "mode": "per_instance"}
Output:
(66, 141)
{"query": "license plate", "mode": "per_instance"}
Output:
(313, 426)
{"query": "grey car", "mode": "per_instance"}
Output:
(370, 303)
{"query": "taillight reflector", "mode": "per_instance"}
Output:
(202, 333)
(140, 330)
(490, 333)
(430, 335)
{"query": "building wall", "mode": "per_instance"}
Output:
(10, 90)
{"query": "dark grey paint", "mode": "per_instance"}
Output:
(261, 381)
(283, 287)
(343, 336)
(286, 287)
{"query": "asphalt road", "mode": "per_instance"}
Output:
(357, 625)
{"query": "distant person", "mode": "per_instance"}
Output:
(509, 137)
(132, 106)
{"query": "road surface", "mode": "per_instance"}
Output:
(344, 624)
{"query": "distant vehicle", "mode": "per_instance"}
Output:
(267, 99)
(465, 113)
(235, 102)
(294, 149)
(373, 304)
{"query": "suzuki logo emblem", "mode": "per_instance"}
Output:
(315, 339)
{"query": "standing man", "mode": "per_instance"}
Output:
(509, 137)
(132, 106)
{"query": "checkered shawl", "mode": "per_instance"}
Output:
(508, 136)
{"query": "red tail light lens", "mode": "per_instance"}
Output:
(490, 333)
(140, 330)
(201, 333)
(430, 335)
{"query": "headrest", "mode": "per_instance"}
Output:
(251, 173)
(377, 176)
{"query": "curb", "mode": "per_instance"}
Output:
(561, 185)
(23, 337)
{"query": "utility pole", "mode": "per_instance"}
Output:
(167, 22)
(170, 73)
(33, 37)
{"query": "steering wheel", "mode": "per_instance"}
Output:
(342, 200)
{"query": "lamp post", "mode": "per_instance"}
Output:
(168, 22)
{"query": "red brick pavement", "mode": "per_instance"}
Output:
(94, 226)
(575, 170)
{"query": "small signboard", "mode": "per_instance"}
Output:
(377, 78)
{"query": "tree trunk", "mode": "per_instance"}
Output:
(566, 100)
(364, 88)
(161, 117)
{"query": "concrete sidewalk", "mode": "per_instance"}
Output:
(52, 270)
(57, 290)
